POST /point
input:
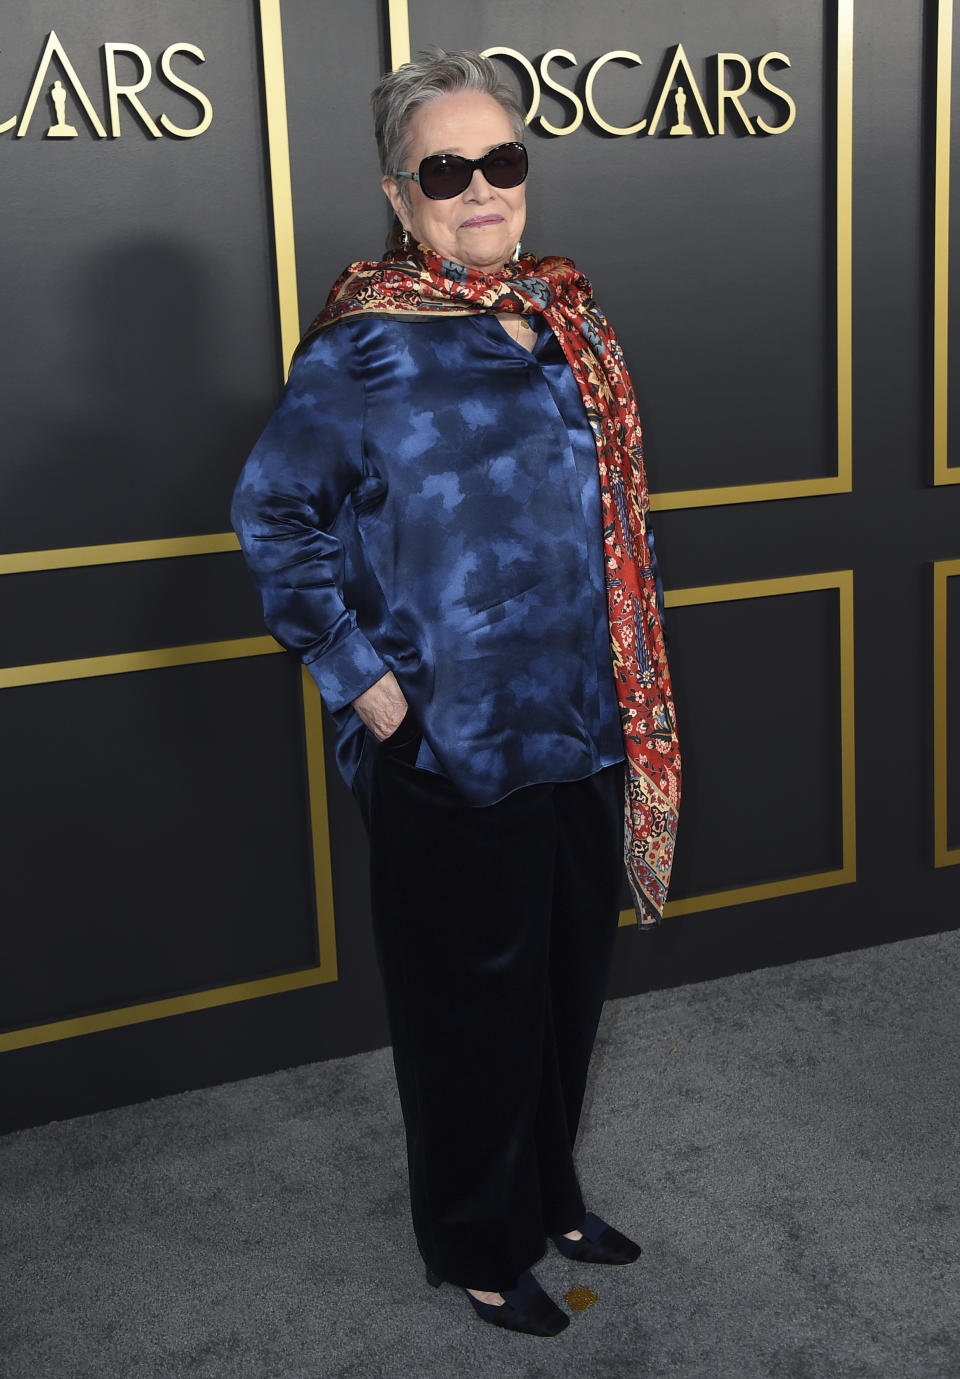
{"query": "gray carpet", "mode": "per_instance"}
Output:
(784, 1143)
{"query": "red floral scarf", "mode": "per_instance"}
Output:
(423, 283)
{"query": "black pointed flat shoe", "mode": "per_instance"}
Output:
(526, 1307)
(601, 1244)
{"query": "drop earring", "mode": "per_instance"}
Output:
(405, 241)
(516, 252)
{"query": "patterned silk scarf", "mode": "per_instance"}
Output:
(422, 283)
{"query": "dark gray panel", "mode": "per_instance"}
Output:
(759, 715)
(138, 351)
(714, 256)
(953, 712)
(100, 610)
(155, 836)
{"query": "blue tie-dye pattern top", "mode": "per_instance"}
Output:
(425, 500)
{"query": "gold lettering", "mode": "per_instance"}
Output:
(619, 55)
(775, 91)
(206, 109)
(129, 93)
(570, 96)
(55, 49)
(680, 61)
(725, 94)
(530, 70)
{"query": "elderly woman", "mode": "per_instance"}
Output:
(446, 518)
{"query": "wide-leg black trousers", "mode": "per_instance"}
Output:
(494, 929)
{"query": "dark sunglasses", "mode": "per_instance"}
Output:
(442, 175)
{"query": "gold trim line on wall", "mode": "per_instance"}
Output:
(325, 969)
(116, 553)
(398, 30)
(842, 581)
(943, 471)
(281, 187)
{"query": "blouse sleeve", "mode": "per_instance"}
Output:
(286, 511)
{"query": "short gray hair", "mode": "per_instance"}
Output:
(431, 74)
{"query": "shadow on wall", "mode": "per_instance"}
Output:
(144, 432)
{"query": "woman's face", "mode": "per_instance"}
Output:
(481, 226)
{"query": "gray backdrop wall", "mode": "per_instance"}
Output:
(182, 879)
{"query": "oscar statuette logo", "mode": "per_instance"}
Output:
(122, 95)
(681, 126)
(60, 129)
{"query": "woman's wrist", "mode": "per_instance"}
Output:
(382, 707)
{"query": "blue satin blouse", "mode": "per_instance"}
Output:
(425, 499)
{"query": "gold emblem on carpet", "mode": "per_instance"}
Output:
(580, 1298)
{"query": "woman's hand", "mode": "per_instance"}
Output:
(382, 706)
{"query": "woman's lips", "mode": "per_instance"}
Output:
(481, 220)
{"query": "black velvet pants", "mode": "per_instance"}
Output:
(494, 929)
